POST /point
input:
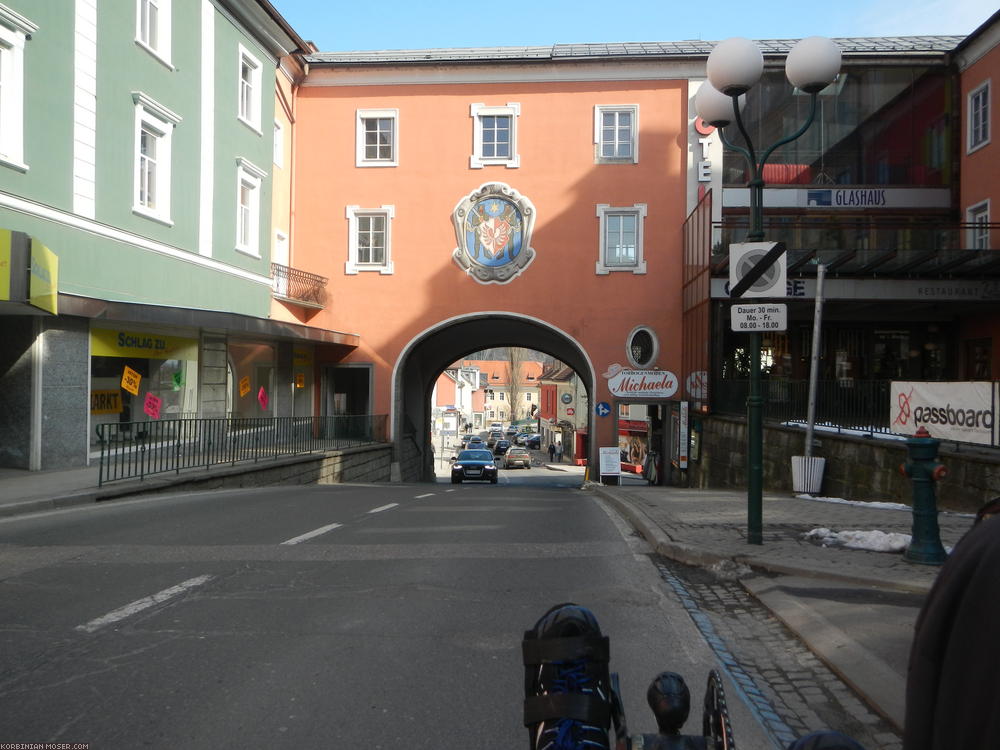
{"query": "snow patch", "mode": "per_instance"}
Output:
(874, 541)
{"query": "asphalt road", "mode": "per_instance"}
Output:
(334, 617)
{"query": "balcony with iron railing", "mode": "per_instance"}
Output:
(299, 287)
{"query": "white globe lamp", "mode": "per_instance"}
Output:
(735, 65)
(813, 63)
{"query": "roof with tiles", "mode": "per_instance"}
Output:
(863, 46)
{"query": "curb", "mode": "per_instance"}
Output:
(696, 556)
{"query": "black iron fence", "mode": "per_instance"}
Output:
(134, 450)
(854, 405)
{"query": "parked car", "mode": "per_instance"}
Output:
(477, 465)
(510, 431)
(501, 447)
(522, 437)
(517, 457)
(533, 441)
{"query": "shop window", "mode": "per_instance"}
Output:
(979, 359)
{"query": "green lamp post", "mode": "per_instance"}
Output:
(733, 68)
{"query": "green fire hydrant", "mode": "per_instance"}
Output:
(924, 470)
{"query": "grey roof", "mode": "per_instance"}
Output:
(864, 46)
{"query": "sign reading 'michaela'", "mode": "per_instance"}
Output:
(653, 383)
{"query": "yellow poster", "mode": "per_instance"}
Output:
(117, 342)
(244, 385)
(106, 402)
(4, 264)
(300, 380)
(43, 287)
(131, 380)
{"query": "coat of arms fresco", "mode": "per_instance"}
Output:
(493, 229)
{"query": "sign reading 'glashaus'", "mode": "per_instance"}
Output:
(493, 229)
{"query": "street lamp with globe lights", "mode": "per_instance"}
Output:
(734, 67)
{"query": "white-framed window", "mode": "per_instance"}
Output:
(250, 91)
(377, 138)
(494, 135)
(616, 131)
(248, 188)
(978, 217)
(14, 31)
(370, 239)
(154, 129)
(979, 116)
(152, 27)
(279, 145)
(621, 238)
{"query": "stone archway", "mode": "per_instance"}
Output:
(428, 353)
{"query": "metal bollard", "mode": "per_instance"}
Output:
(924, 470)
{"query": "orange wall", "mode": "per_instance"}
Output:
(557, 173)
(979, 169)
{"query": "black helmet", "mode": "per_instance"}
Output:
(670, 700)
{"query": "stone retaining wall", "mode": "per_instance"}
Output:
(370, 463)
(857, 468)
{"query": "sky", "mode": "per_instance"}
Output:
(425, 24)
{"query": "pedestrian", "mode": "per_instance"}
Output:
(552, 452)
(953, 680)
(559, 452)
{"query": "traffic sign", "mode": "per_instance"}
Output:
(603, 409)
(757, 269)
(762, 317)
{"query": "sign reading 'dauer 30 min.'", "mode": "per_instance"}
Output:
(766, 317)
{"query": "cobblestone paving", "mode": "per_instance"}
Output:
(791, 691)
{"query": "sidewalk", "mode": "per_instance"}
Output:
(829, 596)
(854, 609)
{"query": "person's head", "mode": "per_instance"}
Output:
(670, 700)
(989, 510)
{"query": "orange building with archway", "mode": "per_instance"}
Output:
(461, 202)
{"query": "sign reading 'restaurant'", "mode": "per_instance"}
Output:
(643, 384)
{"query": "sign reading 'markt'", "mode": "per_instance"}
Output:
(964, 411)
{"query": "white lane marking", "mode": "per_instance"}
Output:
(421, 497)
(311, 534)
(145, 603)
(383, 507)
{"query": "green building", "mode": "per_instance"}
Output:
(137, 146)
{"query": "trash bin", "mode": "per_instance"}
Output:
(807, 474)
